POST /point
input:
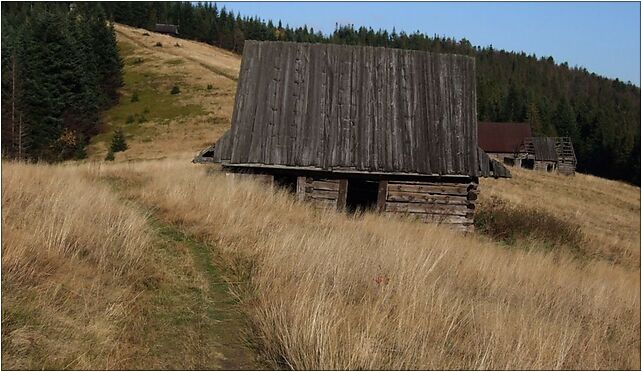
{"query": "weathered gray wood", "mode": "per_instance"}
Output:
(301, 183)
(362, 108)
(435, 218)
(342, 194)
(332, 185)
(455, 210)
(433, 189)
(323, 194)
(382, 195)
(414, 197)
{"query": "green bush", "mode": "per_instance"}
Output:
(118, 142)
(142, 119)
(135, 97)
(209, 87)
(110, 156)
(508, 224)
(158, 44)
(130, 119)
(175, 90)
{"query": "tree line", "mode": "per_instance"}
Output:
(60, 69)
(602, 116)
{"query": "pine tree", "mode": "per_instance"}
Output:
(118, 142)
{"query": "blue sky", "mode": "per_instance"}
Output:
(602, 37)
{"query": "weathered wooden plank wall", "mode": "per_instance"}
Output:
(322, 193)
(354, 108)
(440, 202)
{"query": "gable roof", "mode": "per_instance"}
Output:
(351, 108)
(502, 137)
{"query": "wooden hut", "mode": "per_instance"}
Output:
(550, 154)
(504, 141)
(165, 28)
(350, 127)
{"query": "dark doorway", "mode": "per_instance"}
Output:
(286, 182)
(362, 195)
(509, 161)
(528, 163)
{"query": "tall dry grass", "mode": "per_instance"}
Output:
(72, 258)
(326, 291)
(608, 212)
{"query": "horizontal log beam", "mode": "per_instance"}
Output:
(457, 189)
(456, 210)
(414, 197)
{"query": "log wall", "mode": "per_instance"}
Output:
(450, 203)
(541, 165)
(567, 169)
(322, 193)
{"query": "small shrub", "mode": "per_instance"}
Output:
(209, 87)
(142, 119)
(135, 97)
(130, 119)
(507, 223)
(118, 142)
(158, 44)
(146, 110)
(175, 90)
(110, 156)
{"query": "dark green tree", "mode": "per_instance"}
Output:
(118, 142)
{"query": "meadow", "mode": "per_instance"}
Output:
(313, 289)
(151, 262)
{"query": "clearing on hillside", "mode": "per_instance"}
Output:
(156, 122)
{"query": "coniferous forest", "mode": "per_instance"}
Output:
(60, 69)
(602, 116)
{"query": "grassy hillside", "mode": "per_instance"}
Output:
(161, 263)
(159, 123)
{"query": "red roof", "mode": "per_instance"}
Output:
(502, 137)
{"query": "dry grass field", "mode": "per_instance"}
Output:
(152, 262)
(317, 290)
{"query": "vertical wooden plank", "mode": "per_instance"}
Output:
(365, 123)
(313, 123)
(405, 104)
(333, 141)
(321, 157)
(285, 104)
(382, 195)
(343, 194)
(247, 83)
(456, 109)
(259, 119)
(472, 91)
(301, 183)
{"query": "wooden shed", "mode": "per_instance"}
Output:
(165, 28)
(351, 127)
(550, 154)
(504, 141)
